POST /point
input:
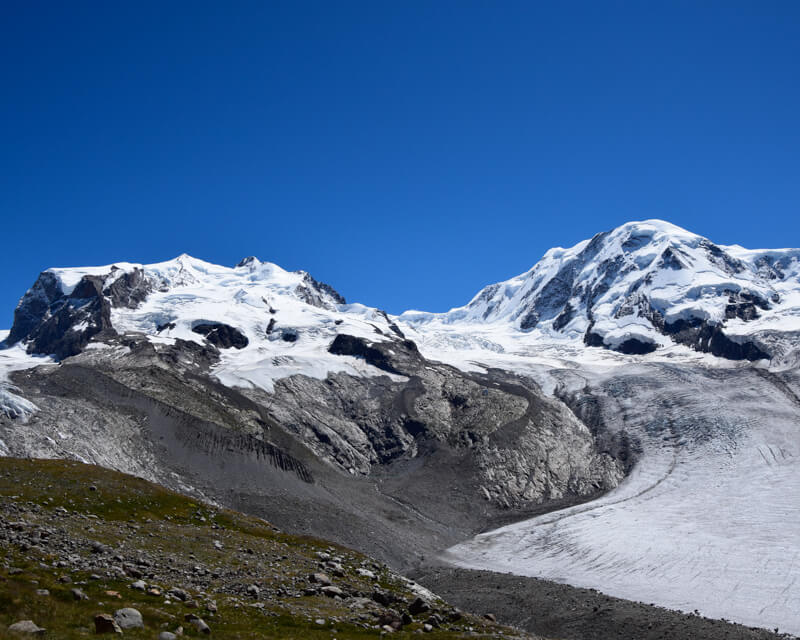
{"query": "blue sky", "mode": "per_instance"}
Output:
(407, 153)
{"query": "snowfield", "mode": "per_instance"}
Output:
(707, 520)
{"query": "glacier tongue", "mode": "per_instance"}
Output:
(708, 518)
(13, 405)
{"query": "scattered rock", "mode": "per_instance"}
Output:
(418, 606)
(178, 594)
(27, 626)
(490, 617)
(139, 585)
(78, 594)
(197, 623)
(128, 618)
(383, 597)
(320, 578)
(167, 635)
(104, 623)
(333, 592)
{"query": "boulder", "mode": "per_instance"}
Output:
(104, 623)
(27, 627)
(128, 618)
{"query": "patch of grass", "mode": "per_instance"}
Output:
(183, 539)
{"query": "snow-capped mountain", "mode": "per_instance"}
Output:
(264, 390)
(261, 321)
(642, 286)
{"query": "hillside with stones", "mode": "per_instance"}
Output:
(88, 551)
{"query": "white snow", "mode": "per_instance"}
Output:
(11, 403)
(630, 266)
(248, 297)
(706, 520)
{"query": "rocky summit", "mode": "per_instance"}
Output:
(605, 420)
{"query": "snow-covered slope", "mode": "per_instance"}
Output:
(708, 518)
(640, 287)
(262, 322)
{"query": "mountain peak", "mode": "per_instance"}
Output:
(640, 286)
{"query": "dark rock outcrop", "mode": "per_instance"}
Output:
(392, 356)
(59, 324)
(221, 335)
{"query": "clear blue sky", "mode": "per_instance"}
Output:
(407, 153)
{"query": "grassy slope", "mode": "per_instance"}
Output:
(175, 535)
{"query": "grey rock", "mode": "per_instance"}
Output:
(418, 606)
(178, 594)
(128, 618)
(27, 627)
(320, 578)
(197, 623)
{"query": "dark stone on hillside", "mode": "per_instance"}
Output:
(418, 606)
(744, 305)
(289, 335)
(564, 318)
(384, 598)
(221, 335)
(592, 339)
(48, 319)
(700, 336)
(59, 324)
(129, 290)
(632, 346)
(397, 331)
(198, 623)
(376, 353)
(670, 260)
(270, 326)
(166, 325)
(414, 427)
(318, 294)
(717, 256)
(201, 355)
(104, 623)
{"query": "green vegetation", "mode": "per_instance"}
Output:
(65, 525)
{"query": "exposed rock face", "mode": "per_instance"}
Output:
(221, 335)
(523, 447)
(56, 323)
(61, 324)
(378, 354)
